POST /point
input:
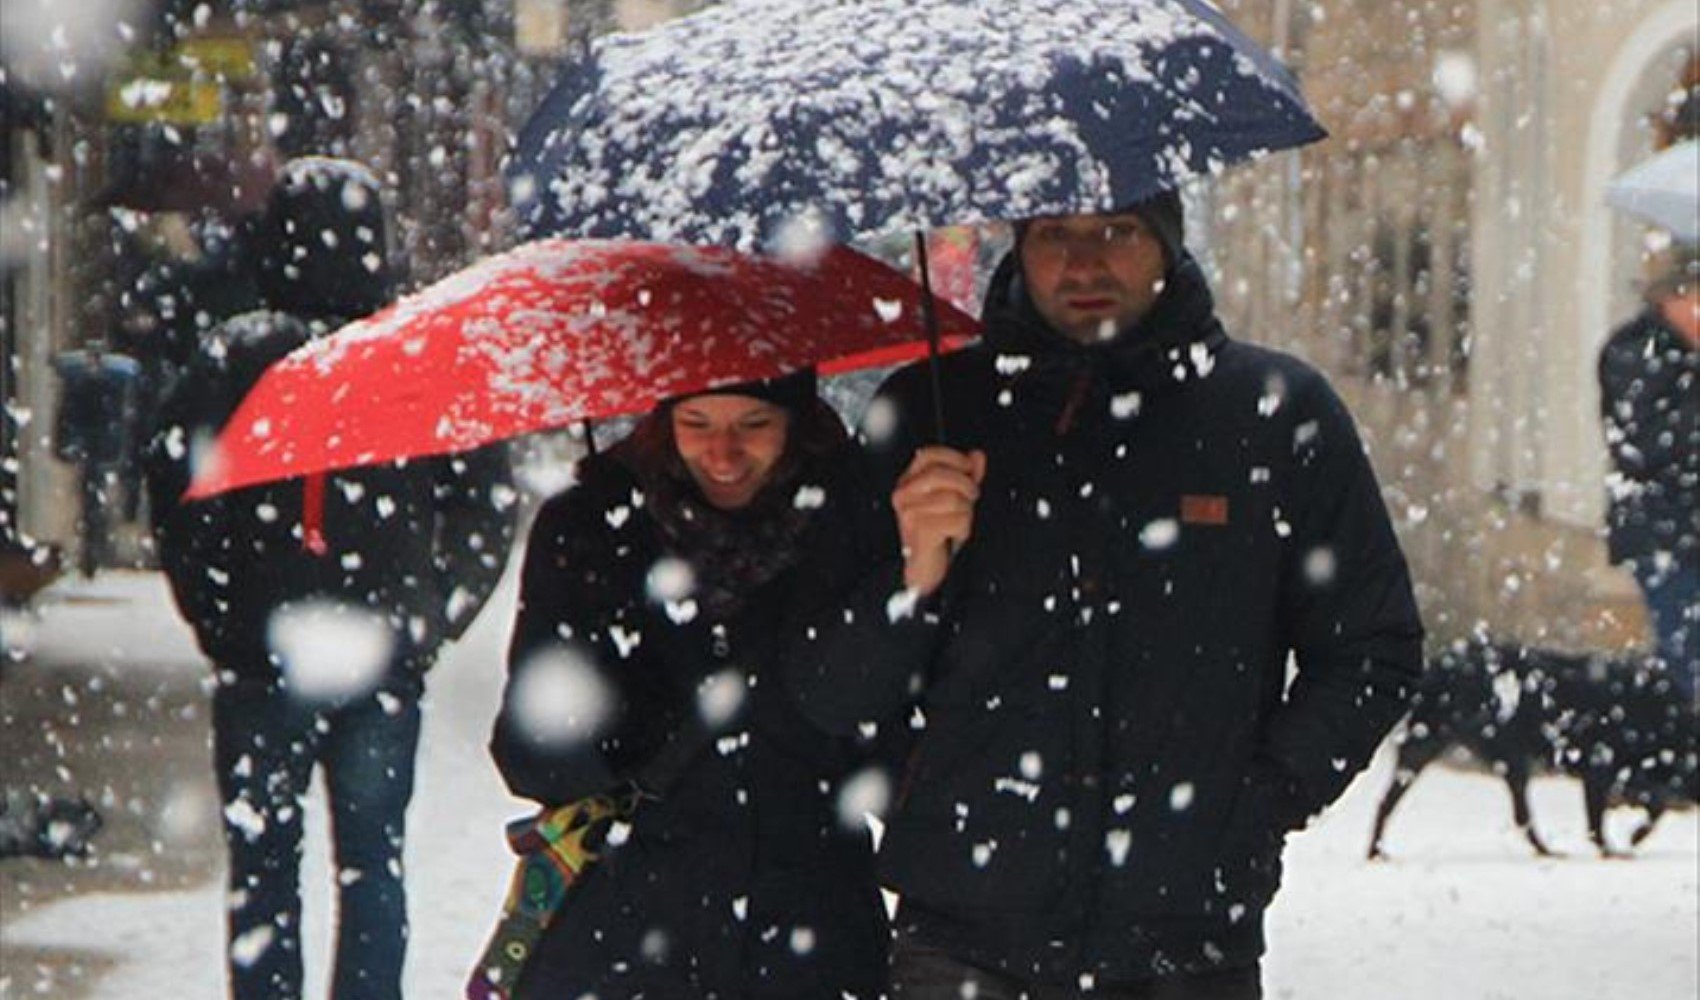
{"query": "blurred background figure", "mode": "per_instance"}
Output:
(322, 602)
(1649, 374)
(95, 429)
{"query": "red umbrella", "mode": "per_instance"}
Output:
(557, 332)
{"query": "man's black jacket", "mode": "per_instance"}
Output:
(420, 544)
(1110, 749)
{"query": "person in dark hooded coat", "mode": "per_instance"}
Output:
(1649, 373)
(643, 660)
(322, 603)
(1096, 590)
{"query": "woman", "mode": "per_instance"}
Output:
(644, 664)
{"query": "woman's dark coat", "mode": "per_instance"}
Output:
(1650, 401)
(739, 878)
(1111, 752)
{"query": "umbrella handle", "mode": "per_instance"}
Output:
(929, 313)
(930, 316)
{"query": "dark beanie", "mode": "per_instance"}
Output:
(795, 392)
(1162, 213)
(321, 244)
(1165, 216)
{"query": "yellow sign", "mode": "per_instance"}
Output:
(180, 87)
(143, 100)
(228, 58)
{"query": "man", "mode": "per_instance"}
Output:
(321, 603)
(1094, 592)
(1650, 400)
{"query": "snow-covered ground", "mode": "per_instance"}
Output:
(1463, 912)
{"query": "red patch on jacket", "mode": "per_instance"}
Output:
(1204, 509)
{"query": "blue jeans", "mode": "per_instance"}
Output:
(265, 745)
(1672, 593)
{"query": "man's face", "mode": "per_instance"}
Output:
(1091, 275)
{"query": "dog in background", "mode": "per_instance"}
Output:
(1615, 723)
(34, 824)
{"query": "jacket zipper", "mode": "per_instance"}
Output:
(1076, 396)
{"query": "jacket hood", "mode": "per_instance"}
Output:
(320, 246)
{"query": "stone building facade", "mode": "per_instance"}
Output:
(1448, 257)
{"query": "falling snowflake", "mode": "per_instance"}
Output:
(1117, 843)
(802, 940)
(1320, 566)
(880, 421)
(251, 946)
(1160, 534)
(865, 793)
(670, 579)
(559, 698)
(720, 696)
(330, 651)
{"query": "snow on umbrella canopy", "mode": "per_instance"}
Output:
(553, 333)
(1664, 190)
(852, 119)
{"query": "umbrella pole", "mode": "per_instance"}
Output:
(930, 316)
(589, 438)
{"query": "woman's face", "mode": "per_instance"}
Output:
(730, 444)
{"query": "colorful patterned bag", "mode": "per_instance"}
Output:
(555, 848)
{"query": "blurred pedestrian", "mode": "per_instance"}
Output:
(95, 430)
(180, 295)
(1090, 602)
(1649, 372)
(643, 669)
(321, 602)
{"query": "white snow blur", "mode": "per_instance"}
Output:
(1455, 77)
(803, 239)
(559, 698)
(186, 814)
(720, 696)
(867, 793)
(330, 651)
(1160, 534)
(671, 579)
(55, 45)
(880, 421)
